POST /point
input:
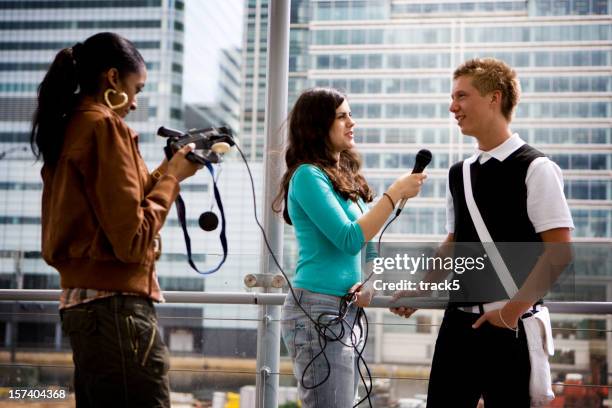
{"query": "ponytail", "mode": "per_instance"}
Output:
(56, 98)
(79, 67)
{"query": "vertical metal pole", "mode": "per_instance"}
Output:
(17, 257)
(609, 344)
(378, 337)
(58, 336)
(268, 331)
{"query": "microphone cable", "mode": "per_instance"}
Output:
(12, 150)
(324, 328)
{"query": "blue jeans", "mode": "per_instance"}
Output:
(304, 345)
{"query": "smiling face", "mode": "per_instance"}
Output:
(341, 131)
(475, 113)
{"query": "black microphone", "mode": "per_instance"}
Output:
(208, 221)
(423, 158)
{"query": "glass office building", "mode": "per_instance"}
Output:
(31, 33)
(395, 60)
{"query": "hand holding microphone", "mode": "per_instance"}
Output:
(409, 185)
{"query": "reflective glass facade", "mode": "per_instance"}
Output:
(30, 36)
(31, 33)
(395, 59)
(396, 66)
(395, 62)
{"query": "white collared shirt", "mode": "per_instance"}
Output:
(546, 204)
(502, 151)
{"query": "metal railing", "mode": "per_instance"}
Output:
(263, 300)
(256, 298)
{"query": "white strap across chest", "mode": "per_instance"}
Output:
(483, 233)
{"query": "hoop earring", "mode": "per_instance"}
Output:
(108, 102)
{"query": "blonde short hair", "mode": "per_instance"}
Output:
(490, 74)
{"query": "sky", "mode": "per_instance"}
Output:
(210, 25)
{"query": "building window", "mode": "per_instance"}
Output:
(58, 4)
(176, 113)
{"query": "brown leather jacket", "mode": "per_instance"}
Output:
(101, 209)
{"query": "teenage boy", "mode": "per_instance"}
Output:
(519, 193)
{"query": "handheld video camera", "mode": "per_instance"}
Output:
(211, 143)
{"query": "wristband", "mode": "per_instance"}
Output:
(390, 200)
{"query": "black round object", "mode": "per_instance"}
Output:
(208, 221)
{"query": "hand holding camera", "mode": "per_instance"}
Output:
(186, 153)
(209, 144)
(180, 166)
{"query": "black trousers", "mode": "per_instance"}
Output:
(469, 363)
(120, 359)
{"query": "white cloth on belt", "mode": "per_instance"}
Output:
(540, 343)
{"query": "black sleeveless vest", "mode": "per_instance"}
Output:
(500, 193)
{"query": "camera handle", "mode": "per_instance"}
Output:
(181, 213)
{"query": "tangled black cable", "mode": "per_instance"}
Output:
(326, 334)
(325, 329)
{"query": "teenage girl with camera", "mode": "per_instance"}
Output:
(101, 215)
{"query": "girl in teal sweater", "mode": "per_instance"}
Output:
(324, 197)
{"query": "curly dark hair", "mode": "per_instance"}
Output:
(310, 120)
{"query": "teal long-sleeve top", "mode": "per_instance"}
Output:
(328, 235)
